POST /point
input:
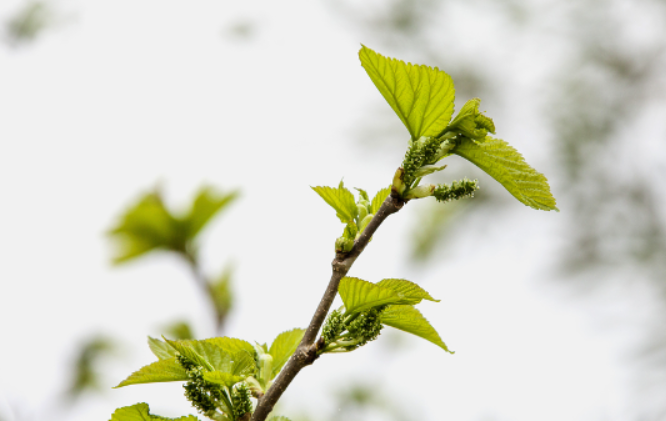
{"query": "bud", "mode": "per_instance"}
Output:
(428, 169)
(470, 122)
(364, 223)
(421, 191)
(343, 245)
(398, 183)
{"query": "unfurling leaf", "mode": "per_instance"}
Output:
(283, 347)
(409, 291)
(470, 122)
(409, 319)
(221, 378)
(167, 370)
(421, 96)
(506, 165)
(340, 199)
(359, 295)
(141, 412)
(379, 199)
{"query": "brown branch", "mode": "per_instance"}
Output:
(306, 353)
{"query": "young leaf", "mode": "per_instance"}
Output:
(168, 370)
(141, 412)
(228, 355)
(186, 349)
(162, 350)
(359, 295)
(506, 165)
(283, 346)
(409, 291)
(224, 379)
(421, 96)
(379, 199)
(340, 199)
(410, 320)
(207, 203)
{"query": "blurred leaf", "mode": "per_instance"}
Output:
(29, 22)
(278, 418)
(409, 291)
(168, 370)
(145, 227)
(421, 96)
(222, 295)
(179, 330)
(340, 199)
(410, 320)
(283, 347)
(359, 295)
(207, 204)
(141, 412)
(86, 376)
(506, 165)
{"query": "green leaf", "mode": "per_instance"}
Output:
(283, 347)
(409, 291)
(186, 349)
(410, 320)
(506, 165)
(162, 350)
(340, 199)
(379, 198)
(359, 295)
(141, 412)
(168, 370)
(224, 379)
(421, 96)
(145, 227)
(229, 355)
(470, 122)
(207, 203)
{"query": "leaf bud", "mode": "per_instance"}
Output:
(343, 245)
(421, 191)
(398, 181)
(364, 223)
(470, 122)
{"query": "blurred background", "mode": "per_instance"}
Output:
(552, 315)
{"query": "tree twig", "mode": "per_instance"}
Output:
(306, 353)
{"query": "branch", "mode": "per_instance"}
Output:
(306, 353)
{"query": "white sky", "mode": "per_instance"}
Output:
(128, 93)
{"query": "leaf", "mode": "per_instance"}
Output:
(228, 355)
(409, 291)
(421, 96)
(359, 295)
(179, 330)
(162, 350)
(207, 203)
(168, 370)
(141, 412)
(283, 347)
(379, 198)
(506, 165)
(222, 294)
(340, 199)
(224, 379)
(186, 349)
(410, 320)
(146, 226)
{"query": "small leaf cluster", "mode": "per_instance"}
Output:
(423, 98)
(369, 307)
(149, 225)
(222, 374)
(355, 214)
